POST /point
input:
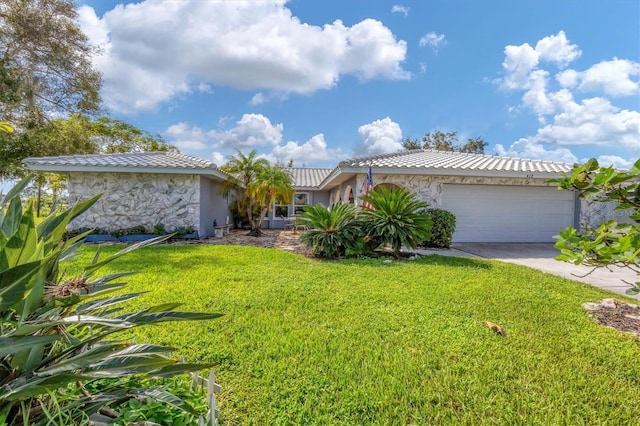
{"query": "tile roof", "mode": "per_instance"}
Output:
(134, 160)
(308, 177)
(450, 161)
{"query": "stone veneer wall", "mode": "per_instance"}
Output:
(593, 213)
(132, 199)
(429, 188)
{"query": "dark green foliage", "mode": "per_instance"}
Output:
(395, 218)
(612, 243)
(331, 231)
(134, 230)
(442, 228)
(58, 332)
(159, 229)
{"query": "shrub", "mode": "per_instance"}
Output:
(134, 230)
(395, 218)
(159, 229)
(57, 332)
(331, 231)
(442, 228)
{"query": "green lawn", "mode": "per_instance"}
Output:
(360, 342)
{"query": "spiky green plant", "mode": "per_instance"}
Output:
(395, 218)
(57, 332)
(330, 231)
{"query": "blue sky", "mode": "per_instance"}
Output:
(317, 82)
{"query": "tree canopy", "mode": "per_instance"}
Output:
(45, 62)
(445, 141)
(76, 134)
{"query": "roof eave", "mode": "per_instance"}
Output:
(123, 169)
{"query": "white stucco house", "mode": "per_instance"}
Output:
(495, 199)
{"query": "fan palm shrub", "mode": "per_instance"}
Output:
(57, 332)
(395, 218)
(330, 231)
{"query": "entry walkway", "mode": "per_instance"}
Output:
(541, 256)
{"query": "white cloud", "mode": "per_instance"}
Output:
(556, 48)
(518, 63)
(251, 131)
(185, 136)
(381, 136)
(593, 121)
(566, 121)
(154, 51)
(433, 40)
(568, 78)
(525, 148)
(615, 161)
(397, 8)
(258, 99)
(521, 61)
(312, 151)
(218, 159)
(613, 77)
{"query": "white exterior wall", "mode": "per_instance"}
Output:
(132, 199)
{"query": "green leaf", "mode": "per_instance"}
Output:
(165, 397)
(14, 344)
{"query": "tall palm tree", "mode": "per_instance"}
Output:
(271, 183)
(244, 169)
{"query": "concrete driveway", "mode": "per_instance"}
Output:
(541, 256)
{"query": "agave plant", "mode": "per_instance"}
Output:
(395, 218)
(331, 231)
(56, 332)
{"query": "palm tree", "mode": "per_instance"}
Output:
(271, 183)
(244, 169)
(396, 218)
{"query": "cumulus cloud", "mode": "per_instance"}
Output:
(565, 120)
(521, 61)
(433, 40)
(526, 148)
(612, 77)
(381, 136)
(557, 49)
(397, 8)
(153, 51)
(615, 161)
(593, 121)
(251, 131)
(313, 151)
(186, 136)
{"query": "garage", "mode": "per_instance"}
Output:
(503, 213)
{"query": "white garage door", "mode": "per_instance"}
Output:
(498, 213)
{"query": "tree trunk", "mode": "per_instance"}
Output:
(38, 200)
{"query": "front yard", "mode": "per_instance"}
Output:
(362, 342)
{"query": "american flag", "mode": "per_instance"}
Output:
(367, 185)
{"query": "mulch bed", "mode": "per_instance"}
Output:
(616, 314)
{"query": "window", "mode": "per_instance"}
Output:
(280, 209)
(300, 200)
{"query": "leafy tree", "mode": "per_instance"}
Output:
(45, 62)
(395, 218)
(330, 231)
(612, 242)
(59, 332)
(271, 183)
(440, 141)
(411, 143)
(245, 170)
(473, 146)
(445, 141)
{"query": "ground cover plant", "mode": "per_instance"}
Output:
(313, 342)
